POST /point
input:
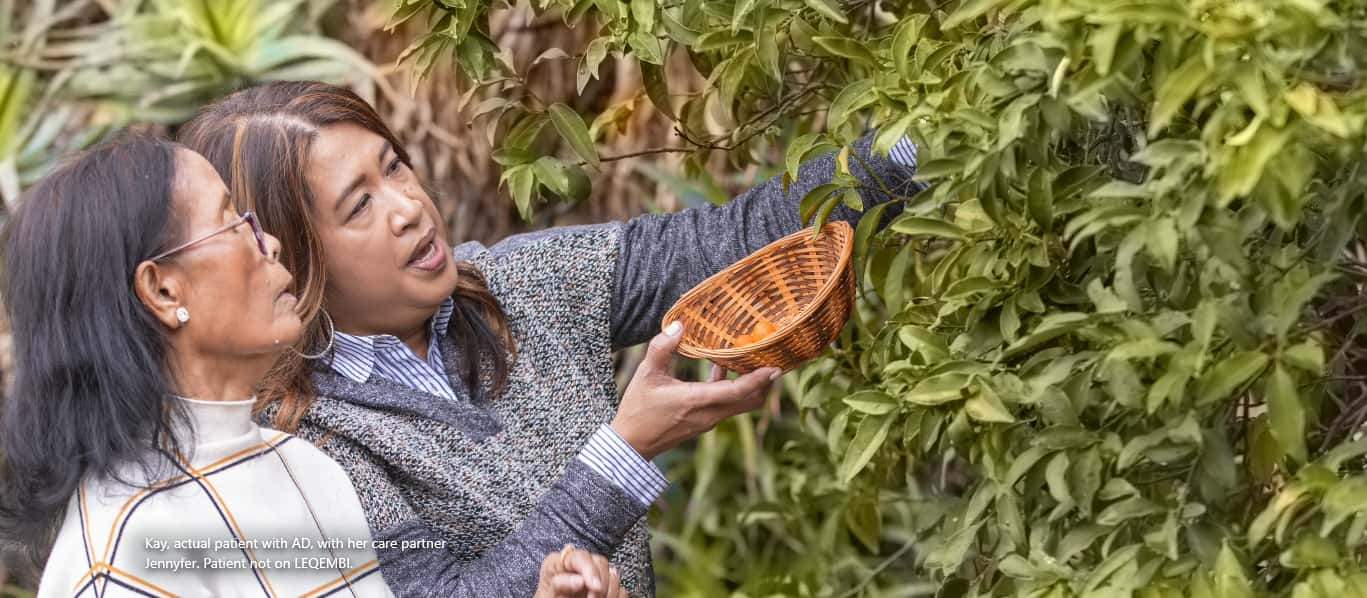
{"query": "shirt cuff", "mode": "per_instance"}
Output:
(608, 454)
(904, 152)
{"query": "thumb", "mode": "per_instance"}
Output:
(661, 349)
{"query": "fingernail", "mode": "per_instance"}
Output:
(776, 373)
(673, 328)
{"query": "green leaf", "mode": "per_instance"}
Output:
(722, 39)
(1229, 575)
(872, 402)
(1286, 413)
(769, 55)
(853, 200)
(1161, 242)
(1245, 165)
(1127, 509)
(1317, 108)
(1051, 327)
(829, 9)
(986, 407)
(1016, 566)
(551, 173)
(1102, 42)
(1249, 79)
(889, 134)
(1310, 552)
(1307, 356)
(1056, 478)
(576, 134)
(646, 47)
(923, 341)
(1177, 88)
(656, 85)
(1114, 562)
(853, 98)
(867, 440)
(1343, 499)
(969, 10)
(1079, 539)
(814, 199)
(865, 229)
(594, 54)
(520, 184)
(1023, 463)
(1040, 200)
(904, 40)
(524, 133)
(1203, 321)
(823, 214)
(800, 148)
(1229, 375)
(938, 389)
(917, 225)
(845, 47)
(512, 156)
(1142, 349)
(677, 31)
(864, 521)
(939, 168)
(643, 11)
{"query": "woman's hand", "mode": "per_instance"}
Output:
(659, 411)
(575, 573)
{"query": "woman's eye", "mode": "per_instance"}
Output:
(361, 204)
(393, 166)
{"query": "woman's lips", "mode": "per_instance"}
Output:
(430, 260)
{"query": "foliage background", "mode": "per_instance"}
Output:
(1112, 351)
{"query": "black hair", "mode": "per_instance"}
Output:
(90, 393)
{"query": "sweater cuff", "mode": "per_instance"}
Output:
(904, 153)
(610, 456)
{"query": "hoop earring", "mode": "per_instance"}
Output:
(332, 335)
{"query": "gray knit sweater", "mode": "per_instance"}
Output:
(496, 483)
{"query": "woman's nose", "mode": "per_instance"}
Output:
(272, 247)
(405, 211)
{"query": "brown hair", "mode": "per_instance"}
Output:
(259, 139)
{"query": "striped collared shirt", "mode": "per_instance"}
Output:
(903, 152)
(385, 356)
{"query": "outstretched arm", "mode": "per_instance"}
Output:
(662, 256)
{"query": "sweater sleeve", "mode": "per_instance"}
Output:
(582, 508)
(662, 256)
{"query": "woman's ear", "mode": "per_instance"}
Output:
(160, 290)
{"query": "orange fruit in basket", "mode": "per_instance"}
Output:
(762, 329)
(744, 340)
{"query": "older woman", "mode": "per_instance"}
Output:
(469, 392)
(145, 311)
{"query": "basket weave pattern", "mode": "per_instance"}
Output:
(804, 287)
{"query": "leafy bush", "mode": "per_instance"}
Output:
(72, 73)
(1111, 351)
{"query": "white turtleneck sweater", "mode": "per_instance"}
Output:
(198, 529)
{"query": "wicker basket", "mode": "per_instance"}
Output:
(804, 287)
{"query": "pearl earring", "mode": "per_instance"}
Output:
(182, 314)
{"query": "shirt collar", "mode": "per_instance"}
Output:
(354, 356)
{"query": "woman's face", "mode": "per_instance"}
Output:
(237, 297)
(388, 264)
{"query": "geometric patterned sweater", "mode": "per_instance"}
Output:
(496, 482)
(230, 519)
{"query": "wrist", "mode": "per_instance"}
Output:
(633, 438)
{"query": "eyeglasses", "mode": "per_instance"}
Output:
(248, 217)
